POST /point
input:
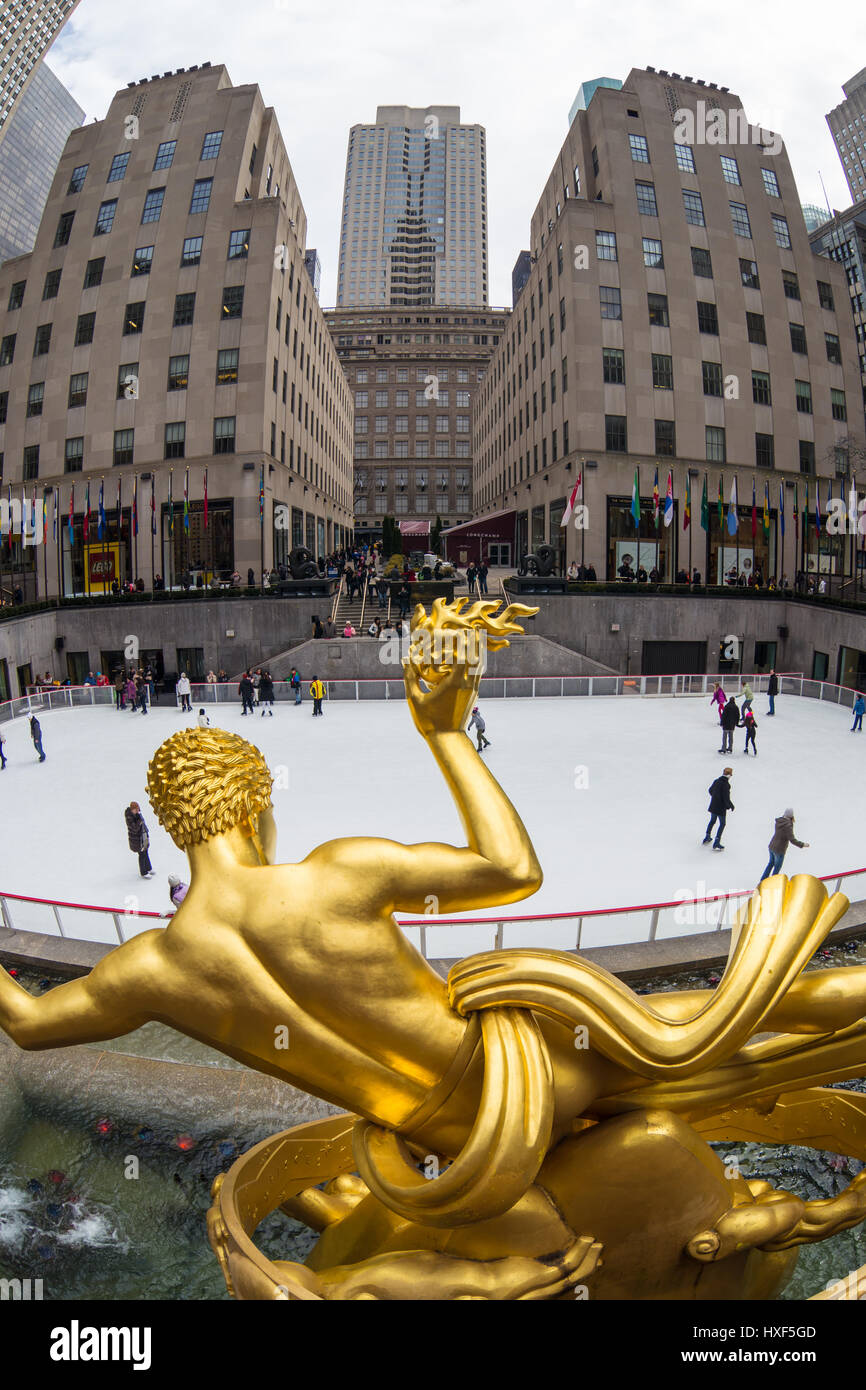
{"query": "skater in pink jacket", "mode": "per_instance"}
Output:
(719, 699)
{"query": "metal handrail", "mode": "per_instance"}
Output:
(336, 603)
(364, 588)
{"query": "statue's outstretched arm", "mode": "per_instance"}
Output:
(110, 1001)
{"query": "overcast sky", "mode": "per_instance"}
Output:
(512, 67)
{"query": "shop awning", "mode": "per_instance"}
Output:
(414, 528)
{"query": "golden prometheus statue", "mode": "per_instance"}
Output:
(529, 1129)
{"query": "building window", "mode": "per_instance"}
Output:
(16, 294)
(611, 303)
(825, 295)
(361, 450)
(133, 318)
(361, 400)
(613, 366)
(422, 448)
(771, 183)
(79, 174)
(716, 449)
(381, 424)
(684, 157)
(665, 438)
(791, 284)
(42, 341)
(93, 273)
(227, 366)
(663, 371)
(200, 201)
(807, 456)
(175, 440)
(35, 397)
(73, 456)
(52, 284)
(749, 275)
(639, 149)
(31, 462)
(702, 262)
(711, 373)
(142, 260)
(756, 328)
(834, 351)
(761, 394)
(184, 310)
(127, 375)
(798, 338)
(124, 441)
(658, 310)
(105, 217)
(708, 318)
(605, 246)
(615, 434)
(239, 245)
(224, 434)
(652, 253)
(837, 404)
(803, 394)
(694, 208)
(765, 451)
(118, 168)
(153, 205)
(646, 198)
(178, 373)
(165, 154)
(84, 329)
(64, 229)
(78, 390)
(4, 408)
(191, 254)
(361, 424)
(7, 349)
(781, 232)
(233, 302)
(740, 219)
(730, 169)
(211, 144)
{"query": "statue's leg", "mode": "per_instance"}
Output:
(779, 1221)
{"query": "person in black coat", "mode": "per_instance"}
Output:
(772, 692)
(36, 735)
(730, 720)
(139, 840)
(245, 690)
(720, 805)
(266, 693)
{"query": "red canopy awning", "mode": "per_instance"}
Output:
(415, 528)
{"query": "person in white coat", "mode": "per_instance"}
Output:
(183, 691)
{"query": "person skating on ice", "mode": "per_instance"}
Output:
(177, 889)
(139, 840)
(783, 836)
(266, 694)
(718, 699)
(245, 690)
(772, 692)
(36, 735)
(184, 690)
(202, 721)
(295, 683)
(317, 694)
(748, 696)
(730, 720)
(2, 751)
(720, 805)
(750, 724)
(477, 722)
(859, 710)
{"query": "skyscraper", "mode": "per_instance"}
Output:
(29, 154)
(27, 30)
(847, 123)
(414, 226)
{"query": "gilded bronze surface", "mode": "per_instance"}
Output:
(528, 1129)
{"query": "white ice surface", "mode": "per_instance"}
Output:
(632, 835)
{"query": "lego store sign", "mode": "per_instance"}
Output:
(102, 566)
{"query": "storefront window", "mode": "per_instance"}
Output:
(657, 543)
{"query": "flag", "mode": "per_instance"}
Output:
(766, 517)
(569, 506)
(687, 507)
(733, 518)
(635, 498)
(817, 508)
(186, 500)
(100, 516)
(721, 504)
(669, 500)
(152, 506)
(170, 507)
(205, 498)
(54, 514)
(782, 507)
(33, 514)
(86, 527)
(71, 512)
(705, 507)
(262, 497)
(656, 499)
(44, 517)
(797, 510)
(135, 505)
(754, 512)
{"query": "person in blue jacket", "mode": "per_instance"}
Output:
(859, 711)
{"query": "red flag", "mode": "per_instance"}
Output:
(569, 506)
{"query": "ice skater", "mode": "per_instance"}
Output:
(772, 692)
(750, 724)
(245, 690)
(36, 735)
(783, 836)
(202, 721)
(718, 699)
(748, 697)
(720, 805)
(2, 751)
(730, 720)
(139, 840)
(177, 889)
(266, 694)
(477, 722)
(295, 683)
(859, 710)
(317, 695)
(184, 690)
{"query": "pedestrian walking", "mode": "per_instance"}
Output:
(36, 735)
(317, 694)
(382, 590)
(750, 724)
(2, 751)
(477, 722)
(482, 578)
(730, 720)
(245, 690)
(202, 721)
(404, 598)
(120, 690)
(859, 709)
(748, 696)
(184, 690)
(471, 573)
(139, 840)
(772, 692)
(719, 699)
(783, 836)
(720, 805)
(266, 694)
(295, 683)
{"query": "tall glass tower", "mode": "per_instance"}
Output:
(27, 30)
(414, 226)
(30, 151)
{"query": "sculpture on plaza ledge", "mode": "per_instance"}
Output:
(529, 1129)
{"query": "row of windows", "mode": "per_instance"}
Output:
(421, 374)
(399, 449)
(647, 205)
(400, 503)
(151, 211)
(616, 442)
(401, 399)
(401, 424)
(686, 163)
(123, 450)
(610, 304)
(400, 477)
(164, 157)
(713, 381)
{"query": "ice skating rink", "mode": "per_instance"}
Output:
(613, 792)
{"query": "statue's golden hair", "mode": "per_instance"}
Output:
(203, 782)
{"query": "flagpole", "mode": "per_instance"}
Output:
(152, 519)
(583, 528)
(44, 545)
(737, 520)
(135, 526)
